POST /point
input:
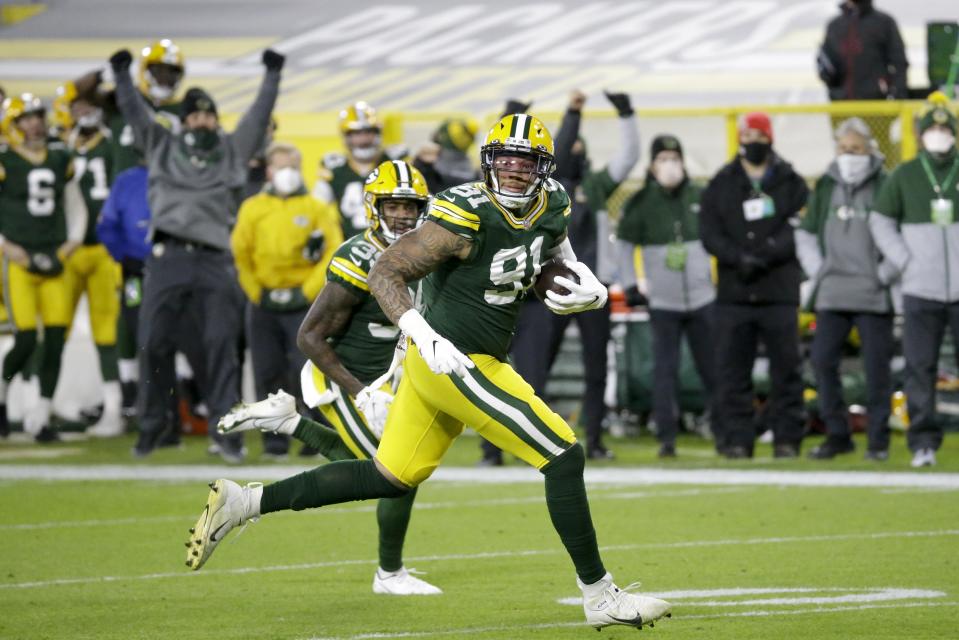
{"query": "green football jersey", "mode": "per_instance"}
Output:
(93, 160)
(474, 302)
(366, 344)
(125, 152)
(342, 184)
(31, 196)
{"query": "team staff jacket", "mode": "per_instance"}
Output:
(664, 223)
(474, 302)
(270, 241)
(922, 245)
(728, 232)
(190, 199)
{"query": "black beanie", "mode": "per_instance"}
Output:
(665, 143)
(196, 99)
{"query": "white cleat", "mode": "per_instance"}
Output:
(276, 414)
(924, 458)
(229, 505)
(110, 424)
(605, 604)
(402, 583)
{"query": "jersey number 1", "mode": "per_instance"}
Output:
(513, 270)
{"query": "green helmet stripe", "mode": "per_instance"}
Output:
(527, 121)
(512, 130)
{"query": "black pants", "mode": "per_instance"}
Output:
(668, 329)
(875, 329)
(197, 287)
(276, 359)
(925, 325)
(536, 342)
(739, 328)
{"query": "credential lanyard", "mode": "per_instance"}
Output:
(944, 188)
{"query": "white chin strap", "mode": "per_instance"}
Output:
(512, 202)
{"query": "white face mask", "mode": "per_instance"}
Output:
(287, 180)
(852, 167)
(669, 173)
(91, 120)
(938, 141)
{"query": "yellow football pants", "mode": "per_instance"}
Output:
(345, 417)
(29, 296)
(430, 410)
(91, 270)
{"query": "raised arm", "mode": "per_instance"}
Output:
(252, 127)
(415, 255)
(624, 161)
(140, 119)
(567, 134)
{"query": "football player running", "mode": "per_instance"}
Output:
(42, 219)
(341, 177)
(90, 269)
(480, 249)
(350, 344)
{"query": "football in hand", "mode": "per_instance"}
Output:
(546, 279)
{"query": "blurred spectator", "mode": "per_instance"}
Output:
(917, 232)
(341, 178)
(283, 240)
(663, 218)
(539, 333)
(850, 288)
(444, 161)
(862, 57)
(749, 210)
(123, 227)
(195, 178)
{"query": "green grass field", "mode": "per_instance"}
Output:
(739, 559)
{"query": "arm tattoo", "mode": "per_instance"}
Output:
(329, 315)
(412, 257)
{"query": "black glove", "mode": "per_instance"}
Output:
(120, 61)
(634, 297)
(313, 249)
(273, 60)
(621, 103)
(515, 106)
(751, 267)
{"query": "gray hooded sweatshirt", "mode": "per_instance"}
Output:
(196, 198)
(835, 247)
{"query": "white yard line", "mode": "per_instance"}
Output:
(480, 556)
(596, 496)
(504, 475)
(677, 620)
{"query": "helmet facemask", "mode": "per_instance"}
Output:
(401, 223)
(515, 177)
(162, 80)
(365, 152)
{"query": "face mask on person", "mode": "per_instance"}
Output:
(287, 180)
(938, 141)
(159, 92)
(668, 173)
(90, 120)
(853, 167)
(201, 139)
(755, 152)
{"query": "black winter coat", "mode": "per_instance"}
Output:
(866, 49)
(728, 235)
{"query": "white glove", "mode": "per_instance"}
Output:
(440, 354)
(373, 403)
(588, 293)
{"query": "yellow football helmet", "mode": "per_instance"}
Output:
(161, 70)
(394, 180)
(523, 136)
(62, 117)
(359, 117)
(16, 107)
